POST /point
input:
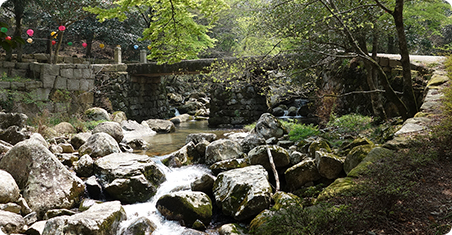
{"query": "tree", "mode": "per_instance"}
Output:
(18, 8)
(176, 30)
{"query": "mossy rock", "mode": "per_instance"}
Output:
(317, 145)
(282, 199)
(374, 155)
(338, 187)
(356, 155)
(437, 80)
(356, 142)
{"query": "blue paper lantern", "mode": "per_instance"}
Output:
(136, 47)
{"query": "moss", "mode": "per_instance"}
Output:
(338, 187)
(374, 155)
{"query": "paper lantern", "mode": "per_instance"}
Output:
(84, 44)
(8, 38)
(53, 42)
(4, 30)
(149, 47)
(62, 28)
(30, 32)
(136, 47)
(29, 40)
(101, 46)
(69, 43)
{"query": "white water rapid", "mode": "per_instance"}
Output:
(177, 179)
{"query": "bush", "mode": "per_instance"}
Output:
(299, 132)
(350, 123)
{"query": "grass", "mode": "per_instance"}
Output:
(5, 78)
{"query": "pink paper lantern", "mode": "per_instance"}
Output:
(84, 44)
(30, 32)
(62, 28)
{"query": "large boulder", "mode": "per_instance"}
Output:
(243, 193)
(44, 181)
(12, 119)
(97, 114)
(118, 116)
(9, 191)
(84, 166)
(199, 137)
(259, 156)
(14, 135)
(268, 126)
(251, 141)
(356, 155)
(79, 139)
(11, 222)
(161, 126)
(140, 225)
(64, 128)
(128, 177)
(99, 145)
(302, 173)
(329, 165)
(226, 165)
(203, 184)
(223, 149)
(111, 128)
(135, 131)
(186, 207)
(99, 219)
(184, 156)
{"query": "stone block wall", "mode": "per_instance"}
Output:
(235, 108)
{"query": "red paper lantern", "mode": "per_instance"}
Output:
(53, 42)
(30, 32)
(8, 38)
(84, 44)
(62, 28)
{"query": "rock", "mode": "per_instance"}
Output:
(119, 117)
(36, 228)
(356, 142)
(278, 111)
(9, 191)
(317, 145)
(181, 118)
(329, 165)
(11, 222)
(11, 207)
(297, 157)
(192, 232)
(14, 135)
(226, 165)
(55, 149)
(99, 219)
(66, 148)
(201, 149)
(44, 181)
(138, 144)
(93, 188)
(374, 155)
(186, 207)
(99, 145)
(38, 137)
(184, 156)
(31, 218)
(97, 114)
(4, 147)
(111, 128)
(128, 177)
(292, 111)
(243, 193)
(67, 159)
(12, 119)
(339, 186)
(203, 184)
(64, 128)
(222, 149)
(259, 156)
(199, 137)
(259, 222)
(356, 155)
(24, 208)
(140, 225)
(231, 229)
(79, 139)
(302, 173)
(57, 212)
(251, 141)
(134, 130)
(161, 126)
(84, 167)
(268, 126)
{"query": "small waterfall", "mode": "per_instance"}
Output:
(177, 179)
(176, 112)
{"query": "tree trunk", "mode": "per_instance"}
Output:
(372, 81)
(408, 94)
(391, 48)
(89, 42)
(60, 41)
(19, 8)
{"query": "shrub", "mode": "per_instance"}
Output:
(350, 123)
(301, 131)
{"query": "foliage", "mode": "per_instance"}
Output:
(8, 45)
(350, 123)
(174, 28)
(299, 132)
(5, 78)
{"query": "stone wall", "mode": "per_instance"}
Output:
(234, 108)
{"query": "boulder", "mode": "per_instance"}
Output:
(292, 111)
(161, 126)
(138, 144)
(184, 156)
(181, 118)
(226, 165)
(14, 135)
(99, 145)
(111, 128)
(11, 222)
(67, 148)
(11, 207)
(84, 166)
(44, 181)
(356, 155)
(329, 165)
(93, 188)
(128, 177)
(259, 156)
(12, 119)
(186, 207)
(222, 149)
(243, 193)
(251, 141)
(203, 184)
(197, 138)
(67, 159)
(232, 229)
(297, 157)
(9, 191)
(201, 149)
(278, 111)
(317, 145)
(57, 212)
(301, 173)
(64, 128)
(97, 114)
(99, 219)
(140, 225)
(119, 116)
(79, 139)
(134, 130)
(36, 228)
(4, 147)
(268, 126)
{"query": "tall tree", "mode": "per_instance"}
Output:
(17, 7)
(177, 29)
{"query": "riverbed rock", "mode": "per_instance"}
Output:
(11, 222)
(45, 182)
(99, 219)
(134, 130)
(84, 166)
(356, 155)
(268, 126)
(161, 126)
(64, 128)
(97, 114)
(12, 119)
(301, 173)
(251, 141)
(9, 191)
(232, 229)
(259, 156)
(243, 193)
(223, 149)
(138, 226)
(226, 165)
(186, 207)
(118, 116)
(181, 118)
(184, 156)
(11, 207)
(199, 137)
(111, 128)
(329, 165)
(79, 139)
(14, 134)
(36, 228)
(99, 145)
(203, 184)
(128, 177)
(93, 188)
